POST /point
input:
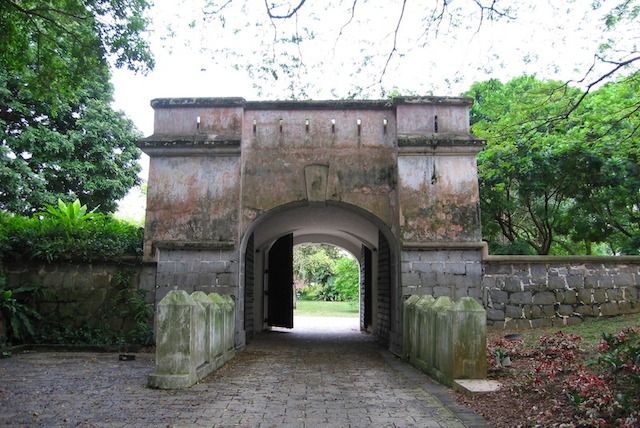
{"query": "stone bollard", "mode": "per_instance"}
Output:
(426, 329)
(193, 334)
(218, 333)
(229, 327)
(208, 327)
(468, 321)
(176, 342)
(408, 323)
(442, 340)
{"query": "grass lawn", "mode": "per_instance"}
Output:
(326, 309)
(590, 330)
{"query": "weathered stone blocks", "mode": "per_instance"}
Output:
(194, 336)
(544, 298)
(176, 346)
(528, 290)
(521, 297)
(409, 321)
(448, 340)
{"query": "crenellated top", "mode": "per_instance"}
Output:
(222, 126)
(305, 104)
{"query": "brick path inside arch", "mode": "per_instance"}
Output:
(322, 373)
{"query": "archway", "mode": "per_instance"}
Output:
(265, 255)
(397, 178)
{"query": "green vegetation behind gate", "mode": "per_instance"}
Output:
(326, 309)
(326, 272)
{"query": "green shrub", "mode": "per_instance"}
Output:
(50, 238)
(329, 292)
(347, 278)
(310, 292)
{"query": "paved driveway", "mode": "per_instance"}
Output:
(322, 373)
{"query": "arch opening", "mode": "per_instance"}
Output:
(357, 232)
(327, 281)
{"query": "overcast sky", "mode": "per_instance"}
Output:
(550, 39)
(194, 53)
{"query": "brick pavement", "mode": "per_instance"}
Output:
(320, 375)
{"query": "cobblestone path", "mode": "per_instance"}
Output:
(322, 376)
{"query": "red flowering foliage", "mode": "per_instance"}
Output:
(556, 354)
(593, 397)
(556, 383)
(608, 394)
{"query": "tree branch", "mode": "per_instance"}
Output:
(286, 16)
(395, 41)
(353, 12)
(219, 9)
(617, 66)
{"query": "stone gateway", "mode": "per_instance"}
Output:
(234, 184)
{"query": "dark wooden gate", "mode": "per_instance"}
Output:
(366, 287)
(280, 283)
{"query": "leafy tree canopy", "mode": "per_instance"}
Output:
(548, 182)
(59, 137)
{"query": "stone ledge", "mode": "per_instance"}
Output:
(240, 102)
(198, 102)
(120, 260)
(191, 145)
(443, 245)
(440, 140)
(194, 245)
(562, 259)
(476, 386)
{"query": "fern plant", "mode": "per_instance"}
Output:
(69, 215)
(18, 317)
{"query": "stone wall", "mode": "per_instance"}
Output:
(452, 272)
(536, 291)
(191, 269)
(83, 294)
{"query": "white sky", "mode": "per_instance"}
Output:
(551, 39)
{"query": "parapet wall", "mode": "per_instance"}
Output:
(84, 294)
(538, 291)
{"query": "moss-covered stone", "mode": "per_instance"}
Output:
(408, 310)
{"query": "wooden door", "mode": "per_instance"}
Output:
(280, 283)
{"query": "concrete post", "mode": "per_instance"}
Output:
(229, 327)
(218, 333)
(442, 342)
(208, 329)
(193, 336)
(408, 325)
(175, 342)
(426, 338)
(468, 320)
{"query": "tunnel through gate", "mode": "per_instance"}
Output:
(268, 264)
